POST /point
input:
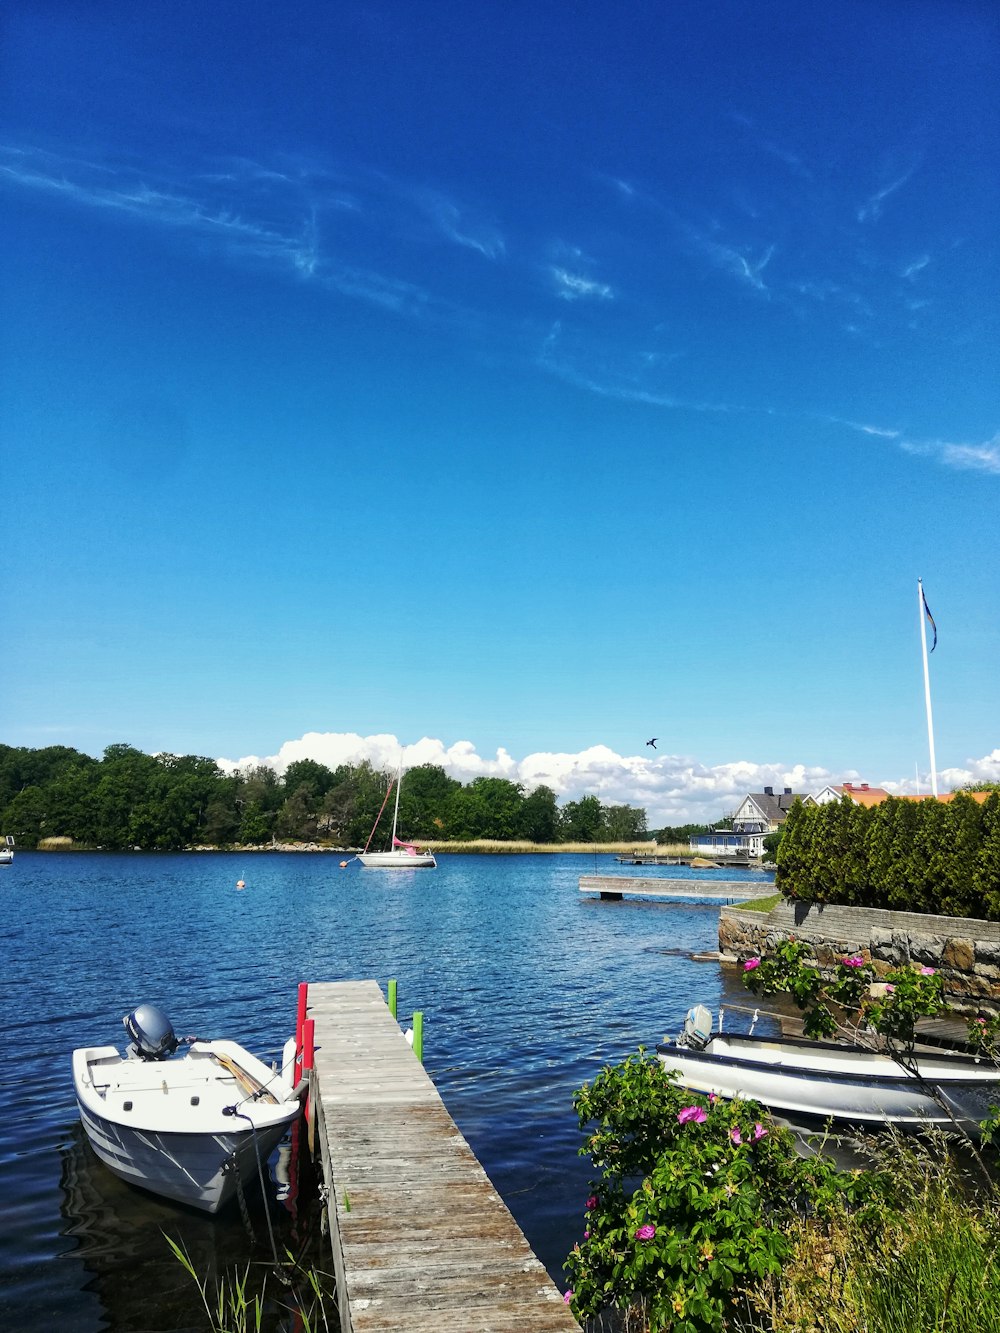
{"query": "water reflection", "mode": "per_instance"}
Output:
(118, 1233)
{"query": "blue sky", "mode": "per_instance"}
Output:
(521, 379)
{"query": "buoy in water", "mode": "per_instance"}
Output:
(240, 884)
(343, 865)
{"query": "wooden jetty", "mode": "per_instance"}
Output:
(617, 887)
(421, 1239)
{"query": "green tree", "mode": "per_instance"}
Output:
(624, 823)
(298, 817)
(538, 820)
(307, 772)
(986, 872)
(24, 816)
(582, 821)
(425, 800)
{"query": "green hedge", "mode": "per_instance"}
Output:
(906, 856)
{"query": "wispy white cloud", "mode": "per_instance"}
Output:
(673, 789)
(574, 287)
(559, 362)
(730, 259)
(871, 209)
(917, 267)
(454, 224)
(978, 457)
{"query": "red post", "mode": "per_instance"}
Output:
(300, 1019)
(308, 1052)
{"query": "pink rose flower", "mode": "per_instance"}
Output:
(927, 971)
(735, 1135)
(750, 964)
(758, 1131)
(591, 1202)
(853, 960)
(889, 988)
(567, 1297)
(695, 1113)
(646, 1233)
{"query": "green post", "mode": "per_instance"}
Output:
(392, 998)
(418, 1035)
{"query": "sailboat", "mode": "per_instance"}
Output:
(402, 855)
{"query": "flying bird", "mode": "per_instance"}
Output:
(653, 742)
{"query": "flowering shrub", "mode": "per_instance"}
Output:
(691, 1208)
(891, 1009)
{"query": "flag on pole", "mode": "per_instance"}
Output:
(927, 613)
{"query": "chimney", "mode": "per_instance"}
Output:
(848, 786)
(788, 791)
(864, 786)
(768, 791)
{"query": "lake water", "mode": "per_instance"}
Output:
(527, 989)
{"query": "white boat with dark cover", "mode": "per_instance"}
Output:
(832, 1080)
(193, 1127)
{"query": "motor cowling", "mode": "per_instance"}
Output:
(151, 1032)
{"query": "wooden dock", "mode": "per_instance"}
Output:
(617, 887)
(421, 1239)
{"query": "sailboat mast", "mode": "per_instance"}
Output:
(395, 813)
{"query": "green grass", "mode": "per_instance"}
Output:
(926, 1262)
(758, 904)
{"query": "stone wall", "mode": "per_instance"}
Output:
(965, 951)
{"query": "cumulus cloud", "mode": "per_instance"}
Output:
(673, 789)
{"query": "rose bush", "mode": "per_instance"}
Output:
(693, 1202)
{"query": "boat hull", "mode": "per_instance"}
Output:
(397, 861)
(168, 1126)
(827, 1081)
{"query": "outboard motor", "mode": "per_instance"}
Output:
(151, 1032)
(697, 1028)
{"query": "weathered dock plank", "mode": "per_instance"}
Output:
(421, 1239)
(615, 887)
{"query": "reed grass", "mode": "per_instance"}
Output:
(929, 1264)
(233, 1308)
(499, 847)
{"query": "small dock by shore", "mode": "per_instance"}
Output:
(614, 888)
(421, 1240)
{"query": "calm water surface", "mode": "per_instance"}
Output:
(527, 988)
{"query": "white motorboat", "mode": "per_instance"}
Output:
(193, 1127)
(7, 851)
(832, 1080)
(401, 855)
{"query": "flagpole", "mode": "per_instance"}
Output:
(922, 605)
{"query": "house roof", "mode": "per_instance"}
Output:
(862, 794)
(775, 808)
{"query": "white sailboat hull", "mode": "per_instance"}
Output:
(827, 1080)
(163, 1125)
(397, 860)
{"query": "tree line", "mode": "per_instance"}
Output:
(903, 855)
(128, 799)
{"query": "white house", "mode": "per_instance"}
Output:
(758, 814)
